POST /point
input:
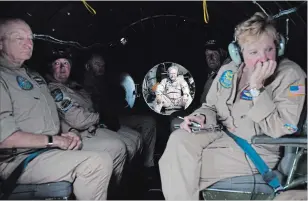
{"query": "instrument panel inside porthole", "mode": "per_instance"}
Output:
(176, 94)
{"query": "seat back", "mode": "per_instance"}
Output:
(286, 164)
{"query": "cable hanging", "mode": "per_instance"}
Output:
(71, 43)
(113, 43)
(205, 12)
(283, 12)
(289, 11)
(123, 40)
(255, 2)
(88, 7)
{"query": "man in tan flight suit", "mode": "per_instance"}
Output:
(29, 120)
(76, 112)
(169, 91)
(215, 58)
(247, 103)
(98, 84)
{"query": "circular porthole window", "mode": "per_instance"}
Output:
(168, 87)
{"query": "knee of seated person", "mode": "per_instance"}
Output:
(134, 148)
(179, 135)
(117, 148)
(99, 162)
(150, 121)
(137, 139)
(139, 142)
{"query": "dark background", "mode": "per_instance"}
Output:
(156, 32)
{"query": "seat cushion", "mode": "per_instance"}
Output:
(60, 190)
(246, 184)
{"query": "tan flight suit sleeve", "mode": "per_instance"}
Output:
(208, 108)
(273, 112)
(161, 87)
(72, 112)
(185, 87)
(7, 122)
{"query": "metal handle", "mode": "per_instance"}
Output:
(211, 128)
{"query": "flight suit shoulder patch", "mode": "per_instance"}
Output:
(57, 94)
(24, 83)
(226, 79)
(65, 104)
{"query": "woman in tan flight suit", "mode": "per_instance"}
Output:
(259, 95)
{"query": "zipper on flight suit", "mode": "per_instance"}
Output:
(30, 76)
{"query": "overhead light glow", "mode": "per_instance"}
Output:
(123, 41)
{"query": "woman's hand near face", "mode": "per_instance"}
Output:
(262, 71)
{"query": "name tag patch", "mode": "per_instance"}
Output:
(226, 79)
(24, 83)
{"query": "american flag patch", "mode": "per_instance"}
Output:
(296, 90)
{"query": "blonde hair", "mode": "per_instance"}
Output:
(254, 27)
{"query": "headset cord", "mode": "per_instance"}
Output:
(254, 179)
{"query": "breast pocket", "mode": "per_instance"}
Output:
(26, 103)
(223, 95)
(32, 125)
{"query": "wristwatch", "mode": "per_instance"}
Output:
(50, 141)
(256, 92)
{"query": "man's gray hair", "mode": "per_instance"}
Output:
(4, 22)
(173, 67)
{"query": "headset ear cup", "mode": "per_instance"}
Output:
(281, 45)
(234, 52)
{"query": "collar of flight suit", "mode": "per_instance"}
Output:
(8, 65)
(50, 78)
(69, 83)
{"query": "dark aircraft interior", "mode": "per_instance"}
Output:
(135, 36)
